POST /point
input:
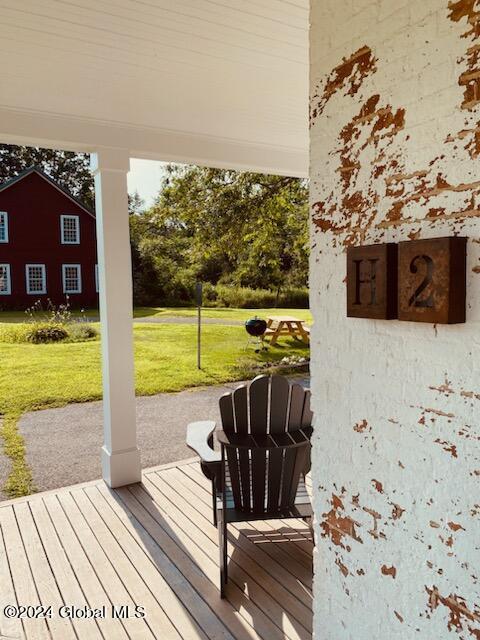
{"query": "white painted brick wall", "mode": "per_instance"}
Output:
(397, 404)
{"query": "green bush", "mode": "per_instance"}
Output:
(46, 332)
(81, 331)
(246, 298)
(294, 298)
(14, 333)
(39, 333)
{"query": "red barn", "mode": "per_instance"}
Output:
(47, 245)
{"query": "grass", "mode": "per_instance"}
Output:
(224, 313)
(36, 377)
(20, 481)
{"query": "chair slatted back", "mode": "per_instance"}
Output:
(271, 410)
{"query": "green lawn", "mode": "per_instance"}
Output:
(222, 313)
(183, 312)
(51, 375)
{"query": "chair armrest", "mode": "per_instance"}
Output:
(263, 442)
(198, 434)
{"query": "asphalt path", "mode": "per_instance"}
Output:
(63, 445)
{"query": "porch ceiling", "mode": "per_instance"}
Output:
(213, 81)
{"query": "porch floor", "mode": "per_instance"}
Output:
(152, 545)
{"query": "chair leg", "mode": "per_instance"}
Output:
(222, 546)
(309, 521)
(214, 502)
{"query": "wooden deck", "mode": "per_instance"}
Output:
(152, 545)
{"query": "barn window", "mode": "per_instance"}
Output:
(3, 226)
(36, 279)
(5, 281)
(72, 278)
(70, 229)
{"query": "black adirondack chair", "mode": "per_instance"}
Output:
(259, 471)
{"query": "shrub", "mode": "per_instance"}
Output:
(81, 331)
(294, 298)
(181, 291)
(209, 295)
(55, 324)
(54, 314)
(39, 333)
(45, 332)
(14, 333)
(246, 298)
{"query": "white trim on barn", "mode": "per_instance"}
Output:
(30, 275)
(67, 230)
(5, 280)
(3, 227)
(68, 277)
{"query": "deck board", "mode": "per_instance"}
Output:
(286, 554)
(9, 627)
(151, 545)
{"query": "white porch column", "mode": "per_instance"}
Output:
(120, 455)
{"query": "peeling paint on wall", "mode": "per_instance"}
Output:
(347, 76)
(395, 140)
(388, 195)
(459, 614)
(389, 571)
(337, 526)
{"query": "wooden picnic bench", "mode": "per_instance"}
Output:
(286, 326)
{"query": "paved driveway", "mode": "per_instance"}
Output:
(63, 445)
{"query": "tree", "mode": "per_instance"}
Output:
(136, 204)
(160, 260)
(71, 170)
(226, 227)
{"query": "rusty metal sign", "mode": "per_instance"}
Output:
(372, 281)
(432, 280)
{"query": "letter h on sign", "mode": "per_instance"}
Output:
(372, 281)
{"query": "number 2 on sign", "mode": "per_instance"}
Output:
(415, 299)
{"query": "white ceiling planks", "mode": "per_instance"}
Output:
(233, 73)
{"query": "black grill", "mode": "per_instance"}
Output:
(255, 327)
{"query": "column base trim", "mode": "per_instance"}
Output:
(122, 468)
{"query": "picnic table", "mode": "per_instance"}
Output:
(286, 326)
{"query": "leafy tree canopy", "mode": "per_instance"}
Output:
(136, 204)
(225, 227)
(216, 225)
